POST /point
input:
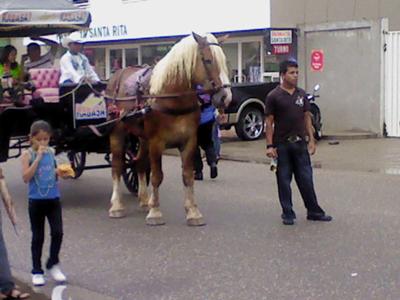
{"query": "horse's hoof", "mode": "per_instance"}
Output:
(155, 221)
(117, 214)
(196, 222)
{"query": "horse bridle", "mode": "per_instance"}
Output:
(206, 64)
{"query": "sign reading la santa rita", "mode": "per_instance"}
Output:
(105, 31)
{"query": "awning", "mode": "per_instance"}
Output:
(24, 18)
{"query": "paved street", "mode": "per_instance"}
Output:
(244, 252)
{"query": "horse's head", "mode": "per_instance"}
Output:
(211, 70)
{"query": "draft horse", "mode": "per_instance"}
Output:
(172, 121)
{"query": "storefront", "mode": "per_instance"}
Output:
(139, 32)
(252, 56)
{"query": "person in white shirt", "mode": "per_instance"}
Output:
(34, 59)
(75, 66)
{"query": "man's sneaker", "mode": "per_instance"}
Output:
(213, 171)
(38, 279)
(57, 274)
(319, 217)
(288, 219)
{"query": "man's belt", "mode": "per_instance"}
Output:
(294, 139)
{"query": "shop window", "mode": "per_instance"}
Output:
(231, 53)
(131, 57)
(97, 59)
(153, 53)
(115, 60)
(251, 62)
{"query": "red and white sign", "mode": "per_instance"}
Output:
(280, 49)
(317, 60)
(281, 37)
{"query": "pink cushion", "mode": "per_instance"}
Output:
(46, 83)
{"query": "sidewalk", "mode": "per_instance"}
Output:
(380, 155)
(349, 153)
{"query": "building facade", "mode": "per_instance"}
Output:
(346, 47)
(135, 32)
(293, 13)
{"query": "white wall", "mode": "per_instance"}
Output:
(351, 95)
(118, 19)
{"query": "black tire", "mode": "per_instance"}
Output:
(316, 121)
(129, 173)
(78, 162)
(251, 124)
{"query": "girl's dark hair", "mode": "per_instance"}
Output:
(4, 55)
(285, 65)
(38, 126)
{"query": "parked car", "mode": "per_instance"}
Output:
(246, 111)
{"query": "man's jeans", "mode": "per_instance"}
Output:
(6, 281)
(293, 158)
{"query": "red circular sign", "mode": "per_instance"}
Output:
(317, 60)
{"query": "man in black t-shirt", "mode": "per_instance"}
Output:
(288, 123)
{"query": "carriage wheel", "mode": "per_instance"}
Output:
(78, 161)
(129, 173)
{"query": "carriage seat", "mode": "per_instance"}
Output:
(46, 83)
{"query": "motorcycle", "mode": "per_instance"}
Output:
(315, 112)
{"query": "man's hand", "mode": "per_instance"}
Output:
(312, 147)
(271, 153)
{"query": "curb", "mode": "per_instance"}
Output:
(350, 136)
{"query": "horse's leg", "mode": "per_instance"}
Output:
(142, 164)
(117, 139)
(154, 217)
(193, 215)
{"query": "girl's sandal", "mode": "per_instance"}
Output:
(16, 294)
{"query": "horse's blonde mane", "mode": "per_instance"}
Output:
(179, 63)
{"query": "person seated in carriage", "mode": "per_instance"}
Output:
(74, 65)
(10, 72)
(8, 63)
(33, 58)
